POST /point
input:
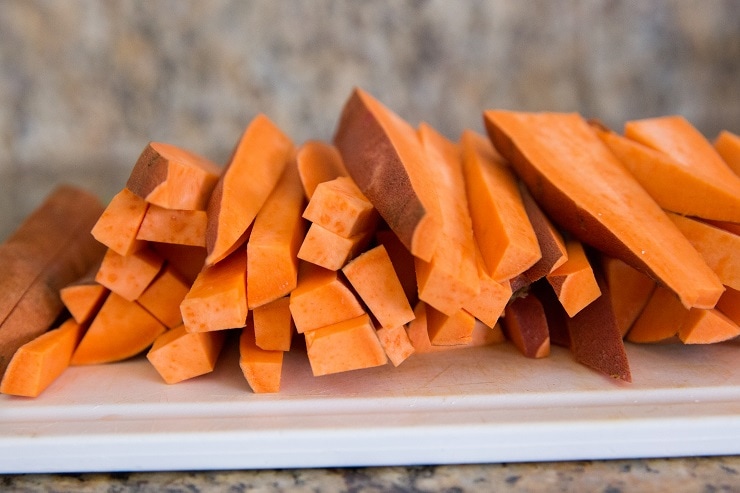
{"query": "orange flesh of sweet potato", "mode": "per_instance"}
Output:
(729, 304)
(329, 250)
(261, 368)
(660, 319)
(163, 296)
(501, 226)
(172, 177)
(321, 298)
(179, 355)
(450, 278)
(121, 329)
(574, 281)
(718, 247)
(340, 207)
(129, 276)
(385, 159)
(661, 176)
(396, 343)
(601, 204)
(181, 227)
(372, 276)
(272, 248)
(449, 330)
(217, 300)
(344, 346)
(727, 144)
(707, 327)
(677, 138)
(552, 245)
(402, 260)
(38, 363)
(119, 224)
(52, 248)
(243, 187)
(273, 325)
(188, 261)
(318, 162)
(83, 297)
(525, 324)
(490, 302)
(630, 290)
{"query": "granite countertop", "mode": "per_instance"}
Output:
(717, 474)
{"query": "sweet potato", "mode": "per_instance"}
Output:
(179, 355)
(217, 300)
(678, 138)
(52, 248)
(718, 247)
(450, 278)
(600, 204)
(402, 260)
(396, 343)
(525, 325)
(373, 278)
(727, 144)
(273, 325)
(272, 248)
(707, 327)
(629, 288)
(344, 346)
(574, 282)
(340, 207)
(501, 226)
(729, 304)
(385, 159)
(39, 362)
(182, 227)
(244, 185)
(329, 250)
(660, 319)
(163, 296)
(129, 276)
(84, 297)
(172, 177)
(318, 162)
(121, 329)
(449, 330)
(490, 302)
(188, 261)
(118, 225)
(261, 368)
(703, 193)
(321, 298)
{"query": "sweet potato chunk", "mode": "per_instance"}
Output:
(179, 355)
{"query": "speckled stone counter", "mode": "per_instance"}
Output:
(718, 474)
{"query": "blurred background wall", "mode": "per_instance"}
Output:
(84, 85)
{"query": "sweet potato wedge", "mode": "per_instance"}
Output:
(119, 224)
(182, 227)
(384, 157)
(179, 355)
(601, 204)
(574, 281)
(727, 144)
(273, 325)
(340, 207)
(629, 288)
(129, 276)
(525, 325)
(84, 297)
(163, 296)
(318, 162)
(262, 368)
(396, 343)
(329, 250)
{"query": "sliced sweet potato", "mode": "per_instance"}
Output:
(449, 330)
(118, 225)
(186, 260)
(321, 298)
(678, 138)
(403, 262)
(450, 278)
(329, 250)
(574, 281)
(318, 162)
(718, 247)
(629, 288)
(217, 300)
(182, 227)
(52, 248)
(601, 204)
(501, 226)
(129, 276)
(245, 183)
(525, 325)
(490, 302)
(727, 144)
(179, 355)
(703, 194)
(339, 206)
(262, 368)
(84, 297)
(173, 177)
(344, 346)
(272, 248)
(660, 319)
(729, 304)
(384, 157)
(273, 325)
(707, 327)
(396, 343)
(373, 278)
(39, 362)
(163, 296)
(121, 329)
